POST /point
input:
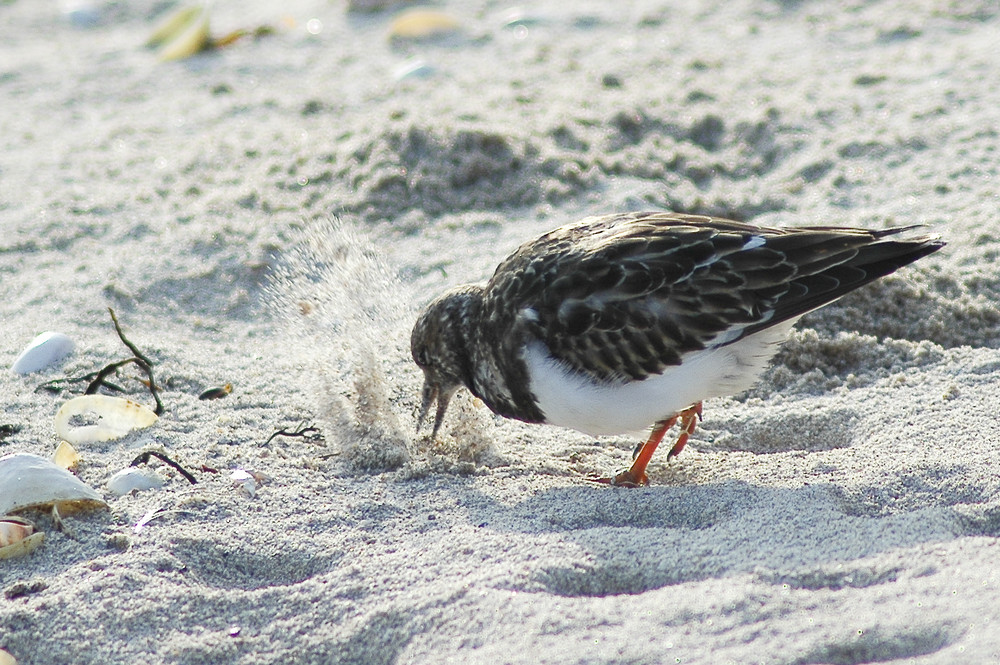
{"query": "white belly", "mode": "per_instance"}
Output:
(570, 400)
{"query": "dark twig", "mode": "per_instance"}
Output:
(309, 433)
(98, 380)
(144, 458)
(144, 363)
(131, 347)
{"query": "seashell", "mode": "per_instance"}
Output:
(44, 350)
(372, 6)
(518, 17)
(80, 13)
(21, 548)
(169, 27)
(217, 393)
(30, 481)
(116, 418)
(422, 24)
(182, 34)
(130, 479)
(6, 658)
(248, 482)
(413, 69)
(17, 538)
(14, 530)
(65, 456)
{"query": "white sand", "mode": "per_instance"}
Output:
(845, 510)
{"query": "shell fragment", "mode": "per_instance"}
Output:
(115, 416)
(18, 537)
(133, 479)
(182, 34)
(419, 23)
(65, 456)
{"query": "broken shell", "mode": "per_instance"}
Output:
(217, 393)
(21, 548)
(420, 23)
(17, 538)
(248, 482)
(66, 456)
(413, 69)
(14, 530)
(169, 27)
(30, 481)
(182, 34)
(131, 479)
(44, 350)
(116, 418)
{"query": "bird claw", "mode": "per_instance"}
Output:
(624, 479)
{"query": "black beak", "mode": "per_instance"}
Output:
(430, 394)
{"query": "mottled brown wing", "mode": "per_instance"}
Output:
(625, 296)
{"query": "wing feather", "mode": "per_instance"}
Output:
(622, 297)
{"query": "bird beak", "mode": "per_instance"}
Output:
(430, 394)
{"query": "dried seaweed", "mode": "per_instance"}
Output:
(307, 432)
(97, 380)
(8, 429)
(144, 458)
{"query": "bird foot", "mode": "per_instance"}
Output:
(624, 479)
(635, 475)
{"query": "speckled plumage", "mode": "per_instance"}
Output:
(623, 298)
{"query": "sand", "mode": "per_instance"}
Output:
(273, 214)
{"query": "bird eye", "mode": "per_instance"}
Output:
(420, 357)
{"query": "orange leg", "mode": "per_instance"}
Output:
(635, 476)
(689, 420)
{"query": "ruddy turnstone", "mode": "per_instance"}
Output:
(619, 322)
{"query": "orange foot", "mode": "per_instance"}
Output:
(635, 475)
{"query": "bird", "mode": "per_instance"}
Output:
(625, 321)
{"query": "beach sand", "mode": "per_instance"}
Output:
(273, 214)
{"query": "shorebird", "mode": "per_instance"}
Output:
(620, 322)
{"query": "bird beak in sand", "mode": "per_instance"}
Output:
(432, 392)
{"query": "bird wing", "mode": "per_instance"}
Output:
(622, 297)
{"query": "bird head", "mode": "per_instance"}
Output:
(439, 345)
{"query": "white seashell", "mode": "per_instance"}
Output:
(30, 481)
(116, 418)
(244, 483)
(413, 69)
(6, 658)
(44, 350)
(248, 482)
(81, 13)
(131, 479)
